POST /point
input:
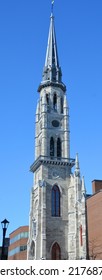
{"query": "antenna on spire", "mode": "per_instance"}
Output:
(52, 4)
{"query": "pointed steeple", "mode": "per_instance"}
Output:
(52, 73)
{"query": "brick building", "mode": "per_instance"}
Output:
(94, 216)
(18, 244)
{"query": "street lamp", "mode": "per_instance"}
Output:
(4, 224)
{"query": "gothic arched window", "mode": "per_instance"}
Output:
(55, 102)
(56, 252)
(52, 147)
(55, 201)
(59, 147)
(61, 105)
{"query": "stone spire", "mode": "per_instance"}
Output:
(77, 168)
(52, 74)
(83, 186)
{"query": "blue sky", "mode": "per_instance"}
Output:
(24, 26)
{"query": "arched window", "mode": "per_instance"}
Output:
(52, 147)
(61, 105)
(59, 147)
(56, 252)
(55, 201)
(55, 102)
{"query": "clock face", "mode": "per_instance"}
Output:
(55, 123)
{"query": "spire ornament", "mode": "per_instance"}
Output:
(77, 168)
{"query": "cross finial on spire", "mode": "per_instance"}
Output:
(52, 71)
(52, 4)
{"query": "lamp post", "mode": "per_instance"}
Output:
(4, 224)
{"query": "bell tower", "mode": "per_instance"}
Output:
(57, 228)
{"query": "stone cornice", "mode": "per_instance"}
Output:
(50, 83)
(52, 161)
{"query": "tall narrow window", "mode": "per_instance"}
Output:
(59, 147)
(52, 147)
(55, 201)
(55, 102)
(61, 105)
(47, 99)
(56, 252)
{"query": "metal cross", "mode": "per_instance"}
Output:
(52, 4)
